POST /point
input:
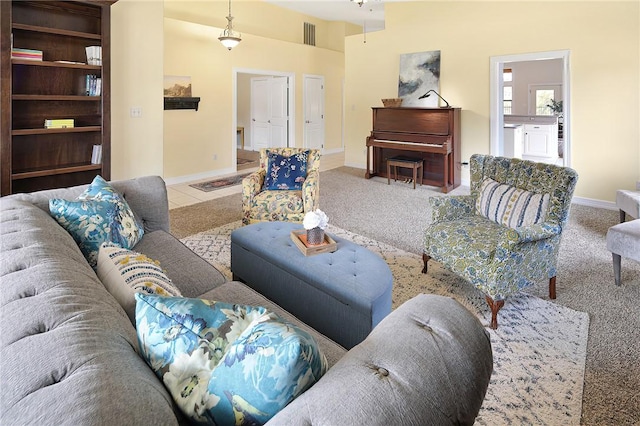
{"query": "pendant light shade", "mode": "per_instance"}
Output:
(230, 38)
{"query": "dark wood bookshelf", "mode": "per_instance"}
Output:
(31, 156)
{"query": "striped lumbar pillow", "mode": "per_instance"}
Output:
(125, 273)
(511, 206)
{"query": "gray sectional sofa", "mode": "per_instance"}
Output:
(69, 353)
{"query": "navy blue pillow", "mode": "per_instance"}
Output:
(285, 173)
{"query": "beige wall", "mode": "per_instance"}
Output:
(136, 81)
(602, 37)
(192, 139)
(603, 40)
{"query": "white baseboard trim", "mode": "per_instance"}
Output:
(356, 165)
(198, 176)
(590, 202)
(332, 151)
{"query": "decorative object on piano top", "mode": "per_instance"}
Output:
(426, 95)
(315, 222)
(392, 102)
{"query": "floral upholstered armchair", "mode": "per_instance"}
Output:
(505, 235)
(285, 187)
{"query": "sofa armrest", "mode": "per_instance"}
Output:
(428, 363)
(446, 208)
(311, 190)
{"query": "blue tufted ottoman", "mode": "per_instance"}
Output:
(343, 294)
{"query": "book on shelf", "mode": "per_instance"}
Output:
(69, 62)
(93, 85)
(28, 54)
(96, 154)
(60, 123)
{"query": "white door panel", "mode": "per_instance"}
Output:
(269, 112)
(314, 112)
(260, 113)
(279, 111)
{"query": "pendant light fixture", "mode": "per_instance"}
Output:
(359, 2)
(230, 38)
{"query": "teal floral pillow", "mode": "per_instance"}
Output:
(226, 364)
(100, 214)
(285, 173)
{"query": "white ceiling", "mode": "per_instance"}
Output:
(370, 15)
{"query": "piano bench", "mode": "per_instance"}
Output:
(416, 164)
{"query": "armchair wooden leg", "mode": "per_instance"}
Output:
(552, 288)
(425, 259)
(495, 307)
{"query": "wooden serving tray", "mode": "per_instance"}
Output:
(299, 237)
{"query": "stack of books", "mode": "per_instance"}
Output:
(28, 54)
(61, 123)
(93, 85)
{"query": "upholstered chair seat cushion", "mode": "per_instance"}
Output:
(278, 206)
(471, 246)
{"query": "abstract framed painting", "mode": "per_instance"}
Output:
(419, 73)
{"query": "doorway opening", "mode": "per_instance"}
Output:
(502, 95)
(263, 112)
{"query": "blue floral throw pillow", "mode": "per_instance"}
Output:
(226, 364)
(285, 173)
(100, 214)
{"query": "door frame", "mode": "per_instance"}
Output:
(496, 104)
(234, 105)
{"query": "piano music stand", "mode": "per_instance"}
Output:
(416, 164)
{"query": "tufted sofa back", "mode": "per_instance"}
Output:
(63, 338)
(559, 182)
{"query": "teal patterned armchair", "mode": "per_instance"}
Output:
(505, 235)
(263, 205)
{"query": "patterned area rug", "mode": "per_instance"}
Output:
(212, 185)
(539, 348)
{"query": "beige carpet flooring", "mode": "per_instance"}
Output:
(396, 214)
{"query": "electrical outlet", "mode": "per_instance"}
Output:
(135, 112)
(215, 157)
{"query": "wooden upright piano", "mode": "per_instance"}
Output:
(432, 134)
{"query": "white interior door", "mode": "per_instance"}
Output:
(269, 112)
(260, 113)
(279, 120)
(313, 111)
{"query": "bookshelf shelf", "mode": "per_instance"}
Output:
(32, 63)
(48, 30)
(32, 91)
(84, 129)
(81, 98)
(27, 174)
